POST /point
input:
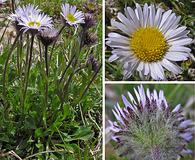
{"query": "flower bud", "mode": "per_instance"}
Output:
(48, 36)
(89, 21)
(89, 39)
(93, 62)
(147, 129)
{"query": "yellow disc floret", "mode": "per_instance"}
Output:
(71, 18)
(148, 44)
(33, 23)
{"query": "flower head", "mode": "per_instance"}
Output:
(93, 62)
(89, 21)
(48, 36)
(29, 18)
(20, 12)
(89, 38)
(151, 41)
(71, 15)
(146, 127)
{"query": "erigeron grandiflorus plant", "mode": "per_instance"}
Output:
(146, 128)
(52, 64)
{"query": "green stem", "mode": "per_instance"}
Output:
(91, 81)
(13, 5)
(54, 44)
(46, 87)
(6, 64)
(46, 61)
(69, 63)
(26, 79)
(40, 51)
(4, 31)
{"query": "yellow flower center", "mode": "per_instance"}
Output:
(71, 18)
(148, 44)
(33, 23)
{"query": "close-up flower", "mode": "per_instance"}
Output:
(148, 40)
(147, 128)
(71, 15)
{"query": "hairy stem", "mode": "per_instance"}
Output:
(54, 44)
(46, 86)
(26, 78)
(69, 63)
(91, 81)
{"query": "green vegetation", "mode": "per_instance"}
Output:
(63, 121)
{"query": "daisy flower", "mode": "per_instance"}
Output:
(28, 10)
(29, 18)
(150, 40)
(71, 15)
(35, 23)
(146, 127)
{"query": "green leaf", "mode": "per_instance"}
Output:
(4, 137)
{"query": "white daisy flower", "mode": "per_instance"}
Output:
(71, 15)
(35, 23)
(28, 11)
(29, 18)
(150, 41)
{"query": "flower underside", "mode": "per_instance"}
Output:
(71, 18)
(34, 23)
(148, 44)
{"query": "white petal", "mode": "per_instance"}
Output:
(185, 123)
(152, 15)
(164, 17)
(179, 49)
(133, 16)
(171, 67)
(113, 58)
(140, 66)
(131, 98)
(172, 33)
(176, 56)
(177, 108)
(158, 17)
(181, 42)
(146, 69)
(139, 13)
(120, 26)
(145, 14)
(126, 103)
(153, 72)
(159, 70)
(126, 22)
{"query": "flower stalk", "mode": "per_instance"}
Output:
(28, 65)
